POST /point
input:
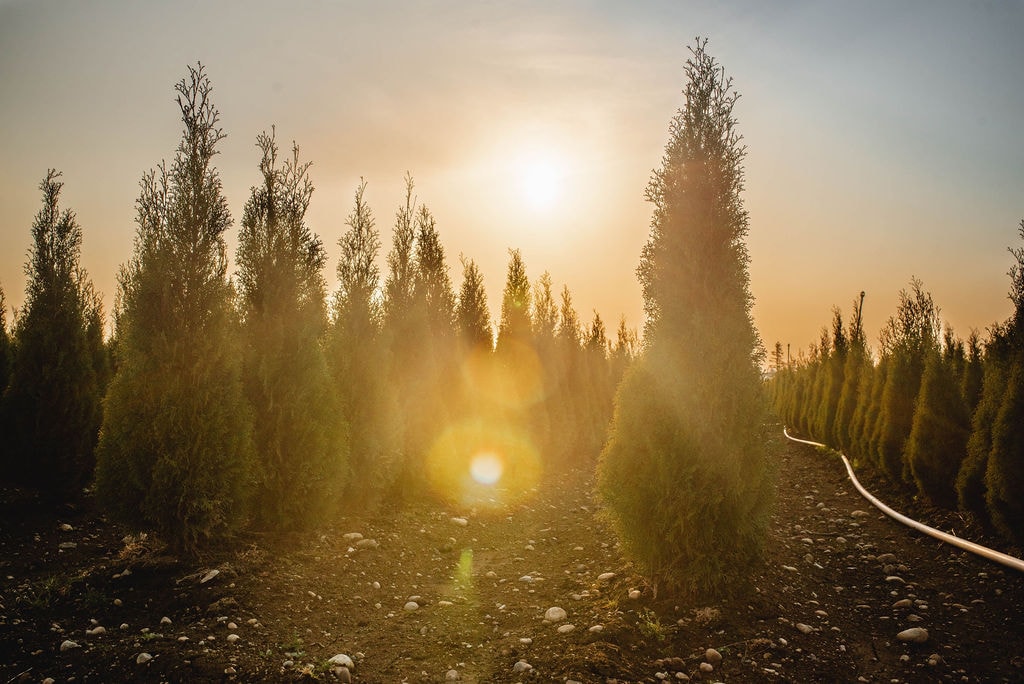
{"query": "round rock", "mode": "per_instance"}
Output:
(914, 635)
(555, 614)
(522, 666)
(342, 660)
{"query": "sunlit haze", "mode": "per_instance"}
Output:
(883, 138)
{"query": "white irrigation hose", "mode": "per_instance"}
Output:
(983, 551)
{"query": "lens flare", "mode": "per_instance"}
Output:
(511, 379)
(488, 465)
(486, 468)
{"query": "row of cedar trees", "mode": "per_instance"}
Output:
(938, 415)
(220, 403)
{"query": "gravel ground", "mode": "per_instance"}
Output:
(422, 594)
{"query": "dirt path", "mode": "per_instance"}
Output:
(838, 584)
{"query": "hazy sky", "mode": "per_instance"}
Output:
(884, 138)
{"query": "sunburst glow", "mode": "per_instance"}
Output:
(486, 468)
(542, 179)
(490, 464)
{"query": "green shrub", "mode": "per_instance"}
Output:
(689, 498)
(684, 472)
(1004, 473)
(175, 450)
(938, 439)
(299, 434)
(50, 413)
(970, 481)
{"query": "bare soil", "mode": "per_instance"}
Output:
(822, 607)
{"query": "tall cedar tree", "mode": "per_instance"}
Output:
(398, 288)
(970, 481)
(565, 392)
(569, 331)
(624, 351)
(832, 386)
(597, 391)
(545, 324)
(937, 444)
(974, 372)
(175, 452)
(433, 294)
(911, 334)
(401, 329)
(866, 447)
(516, 326)
(426, 372)
(684, 473)
(51, 409)
(1004, 472)
(298, 428)
(819, 359)
(852, 393)
(358, 361)
(473, 319)
(777, 361)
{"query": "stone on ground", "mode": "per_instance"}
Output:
(555, 614)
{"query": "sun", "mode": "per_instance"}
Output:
(542, 180)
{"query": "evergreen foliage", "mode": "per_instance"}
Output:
(684, 474)
(597, 339)
(473, 319)
(554, 418)
(819, 360)
(515, 327)
(175, 452)
(624, 351)
(861, 420)
(228, 407)
(832, 371)
(973, 373)
(402, 332)
(569, 332)
(1004, 472)
(938, 437)
(51, 408)
(912, 334)
(850, 396)
(427, 362)
(597, 392)
(776, 357)
(357, 357)
(356, 308)
(398, 288)
(545, 311)
(963, 444)
(298, 429)
(432, 286)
